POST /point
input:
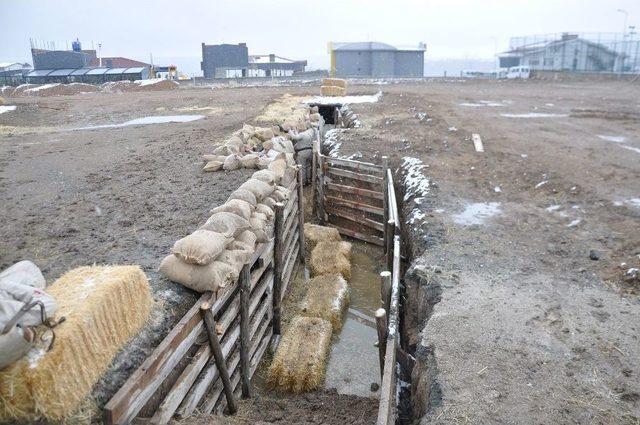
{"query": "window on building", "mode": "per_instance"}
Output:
(548, 61)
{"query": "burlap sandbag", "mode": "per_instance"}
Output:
(254, 142)
(201, 247)
(288, 177)
(279, 167)
(266, 176)
(267, 145)
(199, 278)
(247, 237)
(210, 157)
(225, 150)
(236, 258)
(263, 162)
(234, 141)
(259, 188)
(259, 228)
(249, 161)
(269, 201)
(235, 206)
(232, 163)
(283, 145)
(268, 212)
(314, 109)
(226, 223)
(244, 195)
(314, 117)
(264, 133)
(213, 166)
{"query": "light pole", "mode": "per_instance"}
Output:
(624, 36)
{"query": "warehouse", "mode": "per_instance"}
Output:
(373, 59)
(86, 75)
(234, 61)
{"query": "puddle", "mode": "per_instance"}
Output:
(477, 213)
(7, 108)
(614, 139)
(364, 286)
(534, 115)
(353, 363)
(161, 119)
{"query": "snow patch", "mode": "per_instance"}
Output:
(416, 186)
(345, 100)
(332, 143)
(7, 108)
(614, 139)
(574, 222)
(542, 183)
(42, 87)
(146, 121)
(631, 148)
(534, 115)
(477, 213)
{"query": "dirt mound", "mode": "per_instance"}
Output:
(156, 84)
(57, 89)
(117, 86)
(22, 88)
(7, 91)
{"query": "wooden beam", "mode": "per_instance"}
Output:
(213, 396)
(277, 270)
(386, 407)
(385, 199)
(357, 235)
(245, 297)
(216, 350)
(360, 206)
(353, 175)
(289, 272)
(355, 165)
(301, 216)
(257, 294)
(381, 326)
(321, 182)
(390, 230)
(355, 191)
(356, 219)
(255, 361)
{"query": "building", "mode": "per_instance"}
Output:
(564, 52)
(86, 75)
(234, 61)
(373, 59)
(11, 73)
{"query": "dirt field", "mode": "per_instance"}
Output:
(511, 320)
(524, 327)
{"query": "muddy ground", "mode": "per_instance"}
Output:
(510, 319)
(519, 313)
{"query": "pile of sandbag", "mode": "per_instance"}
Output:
(213, 256)
(333, 87)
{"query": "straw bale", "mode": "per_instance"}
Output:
(104, 306)
(329, 257)
(332, 91)
(299, 363)
(327, 298)
(314, 233)
(336, 82)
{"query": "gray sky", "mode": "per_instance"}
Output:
(173, 30)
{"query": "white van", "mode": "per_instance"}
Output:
(519, 72)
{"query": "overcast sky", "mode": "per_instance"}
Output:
(300, 29)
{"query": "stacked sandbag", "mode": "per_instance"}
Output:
(213, 256)
(333, 87)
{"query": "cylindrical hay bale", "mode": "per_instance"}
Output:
(337, 82)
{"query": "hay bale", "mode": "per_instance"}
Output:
(336, 82)
(104, 306)
(332, 91)
(299, 363)
(327, 298)
(314, 233)
(330, 257)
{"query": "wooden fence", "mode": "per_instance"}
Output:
(350, 196)
(231, 328)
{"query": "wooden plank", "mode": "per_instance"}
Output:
(385, 199)
(263, 287)
(333, 200)
(289, 204)
(314, 166)
(321, 166)
(277, 270)
(355, 191)
(207, 376)
(289, 272)
(357, 235)
(381, 327)
(142, 384)
(262, 251)
(354, 165)
(245, 298)
(477, 142)
(301, 215)
(353, 175)
(262, 329)
(258, 319)
(211, 399)
(386, 407)
(359, 220)
(257, 357)
(287, 245)
(289, 224)
(216, 350)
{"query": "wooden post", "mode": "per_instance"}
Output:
(277, 267)
(245, 337)
(385, 199)
(381, 325)
(390, 231)
(301, 217)
(321, 216)
(210, 325)
(314, 170)
(385, 289)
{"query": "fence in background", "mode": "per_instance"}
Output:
(231, 328)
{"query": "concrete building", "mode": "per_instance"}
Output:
(234, 61)
(373, 59)
(568, 52)
(11, 73)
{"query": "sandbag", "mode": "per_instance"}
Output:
(279, 167)
(259, 188)
(249, 161)
(228, 224)
(209, 277)
(280, 195)
(288, 177)
(264, 134)
(259, 228)
(283, 145)
(234, 141)
(210, 157)
(269, 201)
(201, 247)
(254, 142)
(267, 145)
(235, 206)
(266, 211)
(236, 258)
(232, 163)
(213, 166)
(263, 162)
(266, 176)
(247, 237)
(314, 117)
(224, 150)
(245, 195)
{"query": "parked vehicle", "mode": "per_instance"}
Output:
(518, 72)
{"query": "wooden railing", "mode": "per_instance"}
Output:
(228, 331)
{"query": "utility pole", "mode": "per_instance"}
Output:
(624, 36)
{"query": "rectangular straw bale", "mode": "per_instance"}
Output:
(314, 233)
(326, 298)
(332, 91)
(336, 82)
(330, 257)
(104, 306)
(299, 363)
